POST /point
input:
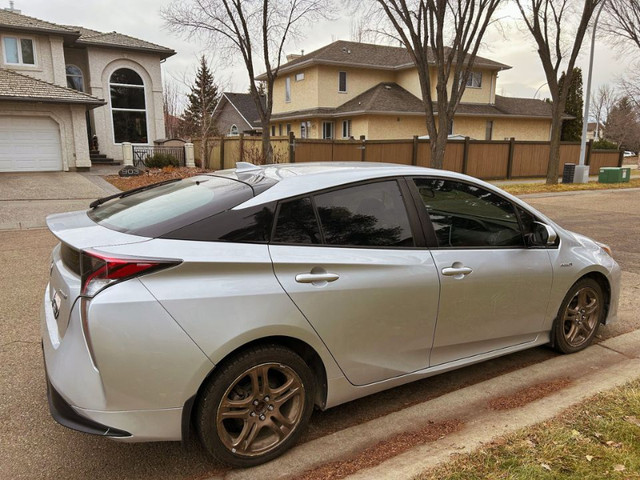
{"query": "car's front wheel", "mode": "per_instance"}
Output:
(579, 317)
(256, 406)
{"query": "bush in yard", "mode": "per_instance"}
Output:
(605, 145)
(161, 160)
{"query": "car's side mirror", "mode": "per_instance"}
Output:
(542, 235)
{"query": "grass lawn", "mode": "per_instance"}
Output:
(597, 439)
(523, 188)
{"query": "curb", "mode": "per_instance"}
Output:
(613, 362)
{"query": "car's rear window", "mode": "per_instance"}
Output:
(162, 209)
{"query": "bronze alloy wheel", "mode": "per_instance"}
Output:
(581, 317)
(260, 410)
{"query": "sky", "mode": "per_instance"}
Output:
(141, 19)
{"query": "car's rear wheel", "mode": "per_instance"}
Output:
(579, 317)
(256, 406)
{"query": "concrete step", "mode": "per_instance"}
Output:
(105, 161)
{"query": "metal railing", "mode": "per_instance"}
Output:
(152, 156)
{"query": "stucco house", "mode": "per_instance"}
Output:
(348, 89)
(236, 113)
(62, 86)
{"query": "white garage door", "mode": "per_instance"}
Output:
(29, 144)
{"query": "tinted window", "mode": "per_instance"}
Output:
(368, 215)
(248, 225)
(465, 215)
(297, 223)
(163, 209)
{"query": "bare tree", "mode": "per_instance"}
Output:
(440, 35)
(623, 125)
(171, 108)
(629, 86)
(549, 22)
(603, 101)
(623, 22)
(254, 30)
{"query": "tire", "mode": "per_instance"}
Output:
(243, 421)
(579, 317)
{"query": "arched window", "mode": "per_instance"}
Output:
(75, 79)
(128, 107)
(233, 131)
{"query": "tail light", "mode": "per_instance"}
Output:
(100, 271)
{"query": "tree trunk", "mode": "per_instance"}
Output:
(203, 152)
(554, 149)
(267, 150)
(438, 146)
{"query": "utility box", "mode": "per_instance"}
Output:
(614, 175)
(568, 172)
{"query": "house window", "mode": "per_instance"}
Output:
(327, 129)
(19, 51)
(474, 80)
(299, 77)
(346, 128)
(288, 128)
(304, 129)
(280, 129)
(75, 79)
(273, 130)
(233, 131)
(128, 107)
(287, 89)
(489, 130)
(342, 82)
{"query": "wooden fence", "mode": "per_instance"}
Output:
(478, 158)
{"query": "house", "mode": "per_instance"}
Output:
(236, 113)
(64, 87)
(595, 131)
(348, 89)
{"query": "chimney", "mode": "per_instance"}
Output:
(293, 56)
(11, 9)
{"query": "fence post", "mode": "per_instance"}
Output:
(292, 147)
(127, 153)
(241, 148)
(512, 144)
(221, 152)
(587, 160)
(465, 155)
(620, 157)
(414, 152)
(363, 148)
(189, 157)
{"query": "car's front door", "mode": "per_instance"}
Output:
(494, 290)
(349, 261)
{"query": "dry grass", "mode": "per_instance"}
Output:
(152, 175)
(528, 395)
(597, 439)
(524, 188)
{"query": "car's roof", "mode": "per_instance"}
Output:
(293, 179)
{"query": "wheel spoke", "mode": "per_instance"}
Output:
(281, 400)
(243, 413)
(283, 388)
(281, 426)
(591, 307)
(582, 298)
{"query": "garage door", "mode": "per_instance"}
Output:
(29, 144)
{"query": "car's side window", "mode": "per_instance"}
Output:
(372, 214)
(296, 223)
(465, 215)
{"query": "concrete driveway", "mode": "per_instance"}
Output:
(32, 445)
(27, 198)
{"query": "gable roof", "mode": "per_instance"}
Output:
(22, 88)
(79, 35)
(388, 98)
(245, 106)
(367, 55)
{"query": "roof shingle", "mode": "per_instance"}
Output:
(18, 87)
(243, 102)
(23, 22)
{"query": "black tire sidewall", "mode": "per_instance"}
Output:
(217, 386)
(560, 343)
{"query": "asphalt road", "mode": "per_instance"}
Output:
(33, 446)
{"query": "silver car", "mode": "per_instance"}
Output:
(236, 302)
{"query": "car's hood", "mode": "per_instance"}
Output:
(79, 231)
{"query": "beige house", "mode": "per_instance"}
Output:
(349, 89)
(64, 87)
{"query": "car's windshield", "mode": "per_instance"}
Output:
(153, 212)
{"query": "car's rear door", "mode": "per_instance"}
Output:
(352, 262)
(494, 290)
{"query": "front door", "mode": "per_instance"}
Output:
(348, 260)
(494, 290)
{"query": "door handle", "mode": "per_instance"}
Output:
(316, 277)
(456, 271)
